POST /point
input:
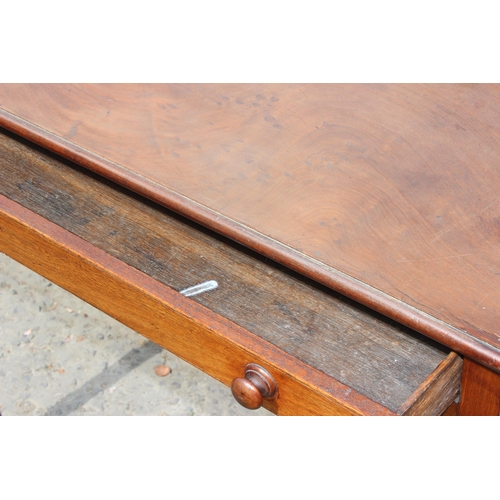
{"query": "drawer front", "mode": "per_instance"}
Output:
(127, 257)
(187, 329)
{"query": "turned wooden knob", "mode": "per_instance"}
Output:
(257, 385)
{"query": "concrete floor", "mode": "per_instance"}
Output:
(61, 356)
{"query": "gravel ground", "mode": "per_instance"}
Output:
(61, 356)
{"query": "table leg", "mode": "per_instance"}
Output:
(480, 393)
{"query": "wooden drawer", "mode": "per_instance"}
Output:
(130, 257)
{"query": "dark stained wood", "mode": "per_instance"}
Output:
(386, 193)
(180, 325)
(367, 353)
(480, 393)
(438, 391)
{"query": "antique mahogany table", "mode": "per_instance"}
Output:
(353, 231)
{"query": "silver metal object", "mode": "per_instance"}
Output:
(206, 286)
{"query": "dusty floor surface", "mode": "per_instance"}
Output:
(61, 356)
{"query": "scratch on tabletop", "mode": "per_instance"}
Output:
(458, 256)
(446, 230)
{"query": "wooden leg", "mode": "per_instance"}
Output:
(480, 393)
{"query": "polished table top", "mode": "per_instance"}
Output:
(386, 193)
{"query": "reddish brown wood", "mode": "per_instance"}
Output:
(246, 393)
(451, 411)
(386, 193)
(257, 386)
(480, 393)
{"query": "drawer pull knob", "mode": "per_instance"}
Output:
(257, 385)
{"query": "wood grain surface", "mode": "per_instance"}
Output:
(438, 392)
(386, 193)
(480, 392)
(367, 353)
